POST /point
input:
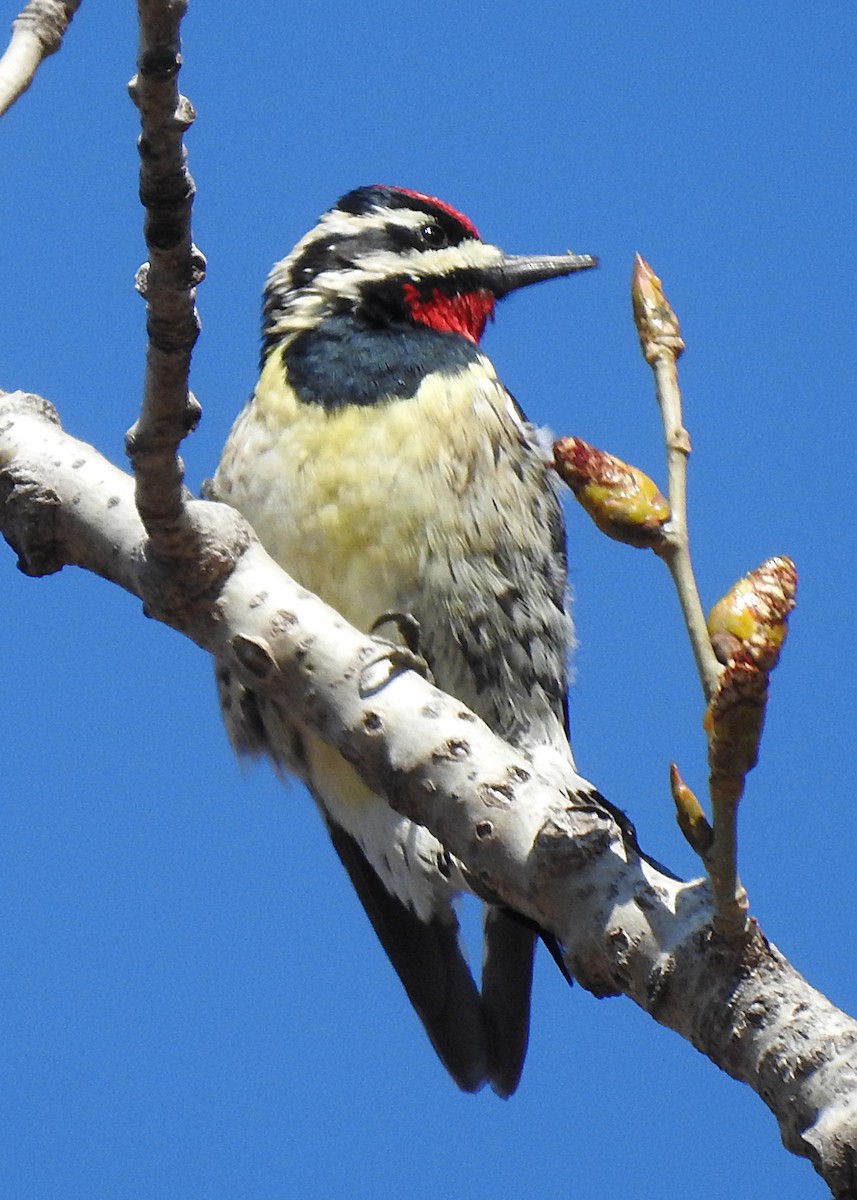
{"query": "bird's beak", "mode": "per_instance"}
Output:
(517, 270)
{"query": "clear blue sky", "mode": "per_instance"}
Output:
(192, 1003)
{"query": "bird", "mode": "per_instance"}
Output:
(385, 467)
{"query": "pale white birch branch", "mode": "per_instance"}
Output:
(552, 855)
(37, 32)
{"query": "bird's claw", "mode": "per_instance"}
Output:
(395, 657)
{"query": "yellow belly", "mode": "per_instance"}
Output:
(351, 502)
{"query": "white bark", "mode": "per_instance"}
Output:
(37, 32)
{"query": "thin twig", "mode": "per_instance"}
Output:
(748, 624)
(37, 32)
(167, 281)
(661, 343)
(731, 906)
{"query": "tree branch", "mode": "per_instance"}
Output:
(37, 32)
(168, 281)
(523, 836)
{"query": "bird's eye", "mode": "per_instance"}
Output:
(433, 236)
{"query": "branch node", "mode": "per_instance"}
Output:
(30, 522)
(255, 655)
(572, 837)
(185, 115)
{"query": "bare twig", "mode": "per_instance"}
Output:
(168, 281)
(745, 630)
(37, 32)
(661, 343)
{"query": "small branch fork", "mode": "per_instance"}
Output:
(37, 32)
(738, 647)
(752, 615)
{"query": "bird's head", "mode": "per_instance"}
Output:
(394, 257)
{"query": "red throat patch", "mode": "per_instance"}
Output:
(467, 313)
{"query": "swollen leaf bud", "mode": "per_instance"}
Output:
(622, 501)
(747, 629)
(749, 623)
(734, 719)
(657, 324)
(689, 815)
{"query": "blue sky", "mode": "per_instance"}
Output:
(193, 1004)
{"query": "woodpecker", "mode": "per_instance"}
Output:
(386, 468)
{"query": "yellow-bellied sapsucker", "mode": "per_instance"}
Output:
(385, 467)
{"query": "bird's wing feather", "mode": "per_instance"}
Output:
(507, 977)
(427, 958)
